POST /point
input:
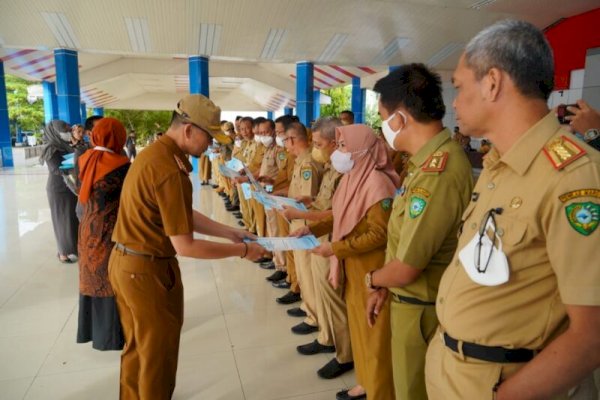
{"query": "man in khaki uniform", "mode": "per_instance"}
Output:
(277, 226)
(305, 182)
(248, 155)
(267, 172)
(425, 218)
(519, 305)
(156, 222)
(329, 303)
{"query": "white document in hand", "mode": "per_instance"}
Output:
(308, 242)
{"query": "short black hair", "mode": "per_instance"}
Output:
(300, 130)
(89, 122)
(416, 88)
(238, 118)
(270, 122)
(247, 119)
(257, 121)
(350, 113)
(285, 120)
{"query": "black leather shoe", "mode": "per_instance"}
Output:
(267, 265)
(276, 276)
(304, 329)
(232, 208)
(343, 395)
(296, 312)
(282, 284)
(237, 214)
(314, 348)
(240, 223)
(333, 369)
(288, 298)
(263, 260)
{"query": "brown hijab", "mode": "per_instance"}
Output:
(371, 180)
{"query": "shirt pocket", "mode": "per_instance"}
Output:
(511, 231)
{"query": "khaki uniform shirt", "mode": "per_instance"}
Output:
(285, 163)
(548, 185)
(255, 157)
(269, 167)
(427, 211)
(306, 177)
(249, 149)
(329, 183)
(156, 201)
(237, 151)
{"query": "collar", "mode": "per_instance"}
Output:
(302, 157)
(522, 153)
(430, 147)
(176, 151)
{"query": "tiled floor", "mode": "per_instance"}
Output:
(236, 341)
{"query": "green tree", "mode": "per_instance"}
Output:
(145, 123)
(29, 117)
(340, 101)
(372, 117)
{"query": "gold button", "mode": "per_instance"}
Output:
(132, 276)
(516, 202)
(500, 231)
(491, 185)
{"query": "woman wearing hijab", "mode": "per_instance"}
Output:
(102, 172)
(361, 209)
(57, 139)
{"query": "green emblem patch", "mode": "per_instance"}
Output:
(417, 206)
(583, 217)
(386, 204)
(282, 156)
(306, 174)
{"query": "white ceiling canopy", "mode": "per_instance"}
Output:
(134, 53)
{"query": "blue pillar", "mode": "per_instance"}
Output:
(198, 67)
(392, 68)
(199, 84)
(50, 101)
(316, 104)
(270, 115)
(358, 101)
(98, 111)
(5, 143)
(67, 86)
(304, 92)
(83, 112)
(288, 111)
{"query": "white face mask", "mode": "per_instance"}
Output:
(493, 263)
(388, 133)
(267, 140)
(257, 139)
(279, 141)
(342, 162)
(65, 136)
(238, 143)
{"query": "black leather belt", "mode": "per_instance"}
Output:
(411, 300)
(488, 353)
(131, 252)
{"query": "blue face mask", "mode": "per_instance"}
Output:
(86, 138)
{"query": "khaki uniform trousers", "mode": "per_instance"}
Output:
(274, 231)
(371, 347)
(331, 309)
(451, 376)
(259, 217)
(246, 210)
(413, 327)
(205, 168)
(149, 295)
(304, 271)
(216, 175)
(292, 277)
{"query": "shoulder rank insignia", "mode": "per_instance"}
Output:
(436, 162)
(562, 151)
(583, 217)
(306, 174)
(181, 165)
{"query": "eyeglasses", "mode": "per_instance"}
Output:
(488, 222)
